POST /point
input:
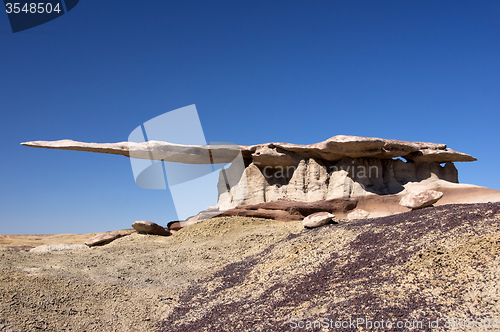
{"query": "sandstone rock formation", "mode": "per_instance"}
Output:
(148, 227)
(271, 154)
(420, 200)
(340, 167)
(317, 219)
(291, 210)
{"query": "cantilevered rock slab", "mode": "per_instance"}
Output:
(155, 150)
(272, 154)
(339, 167)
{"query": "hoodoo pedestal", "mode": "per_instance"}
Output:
(347, 167)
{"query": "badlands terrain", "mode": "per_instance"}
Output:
(251, 274)
(409, 248)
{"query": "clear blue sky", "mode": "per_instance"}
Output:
(258, 71)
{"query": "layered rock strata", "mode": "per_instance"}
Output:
(290, 210)
(340, 167)
(313, 179)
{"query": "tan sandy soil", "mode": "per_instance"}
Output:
(27, 242)
(127, 285)
(250, 274)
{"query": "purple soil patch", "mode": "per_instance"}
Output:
(352, 280)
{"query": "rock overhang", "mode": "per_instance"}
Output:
(271, 154)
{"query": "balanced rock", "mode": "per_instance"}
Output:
(339, 167)
(421, 199)
(57, 247)
(103, 239)
(317, 219)
(270, 154)
(148, 227)
(358, 214)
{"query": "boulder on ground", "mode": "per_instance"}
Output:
(419, 200)
(270, 154)
(174, 226)
(103, 239)
(57, 247)
(358, 214)
(148, 227)
(317, 219)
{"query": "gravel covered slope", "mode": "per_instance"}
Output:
(249, 274)
(418, 266)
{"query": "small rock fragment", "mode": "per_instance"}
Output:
(317, 219)
(421, 199)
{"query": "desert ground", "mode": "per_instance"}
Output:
(249, 274)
